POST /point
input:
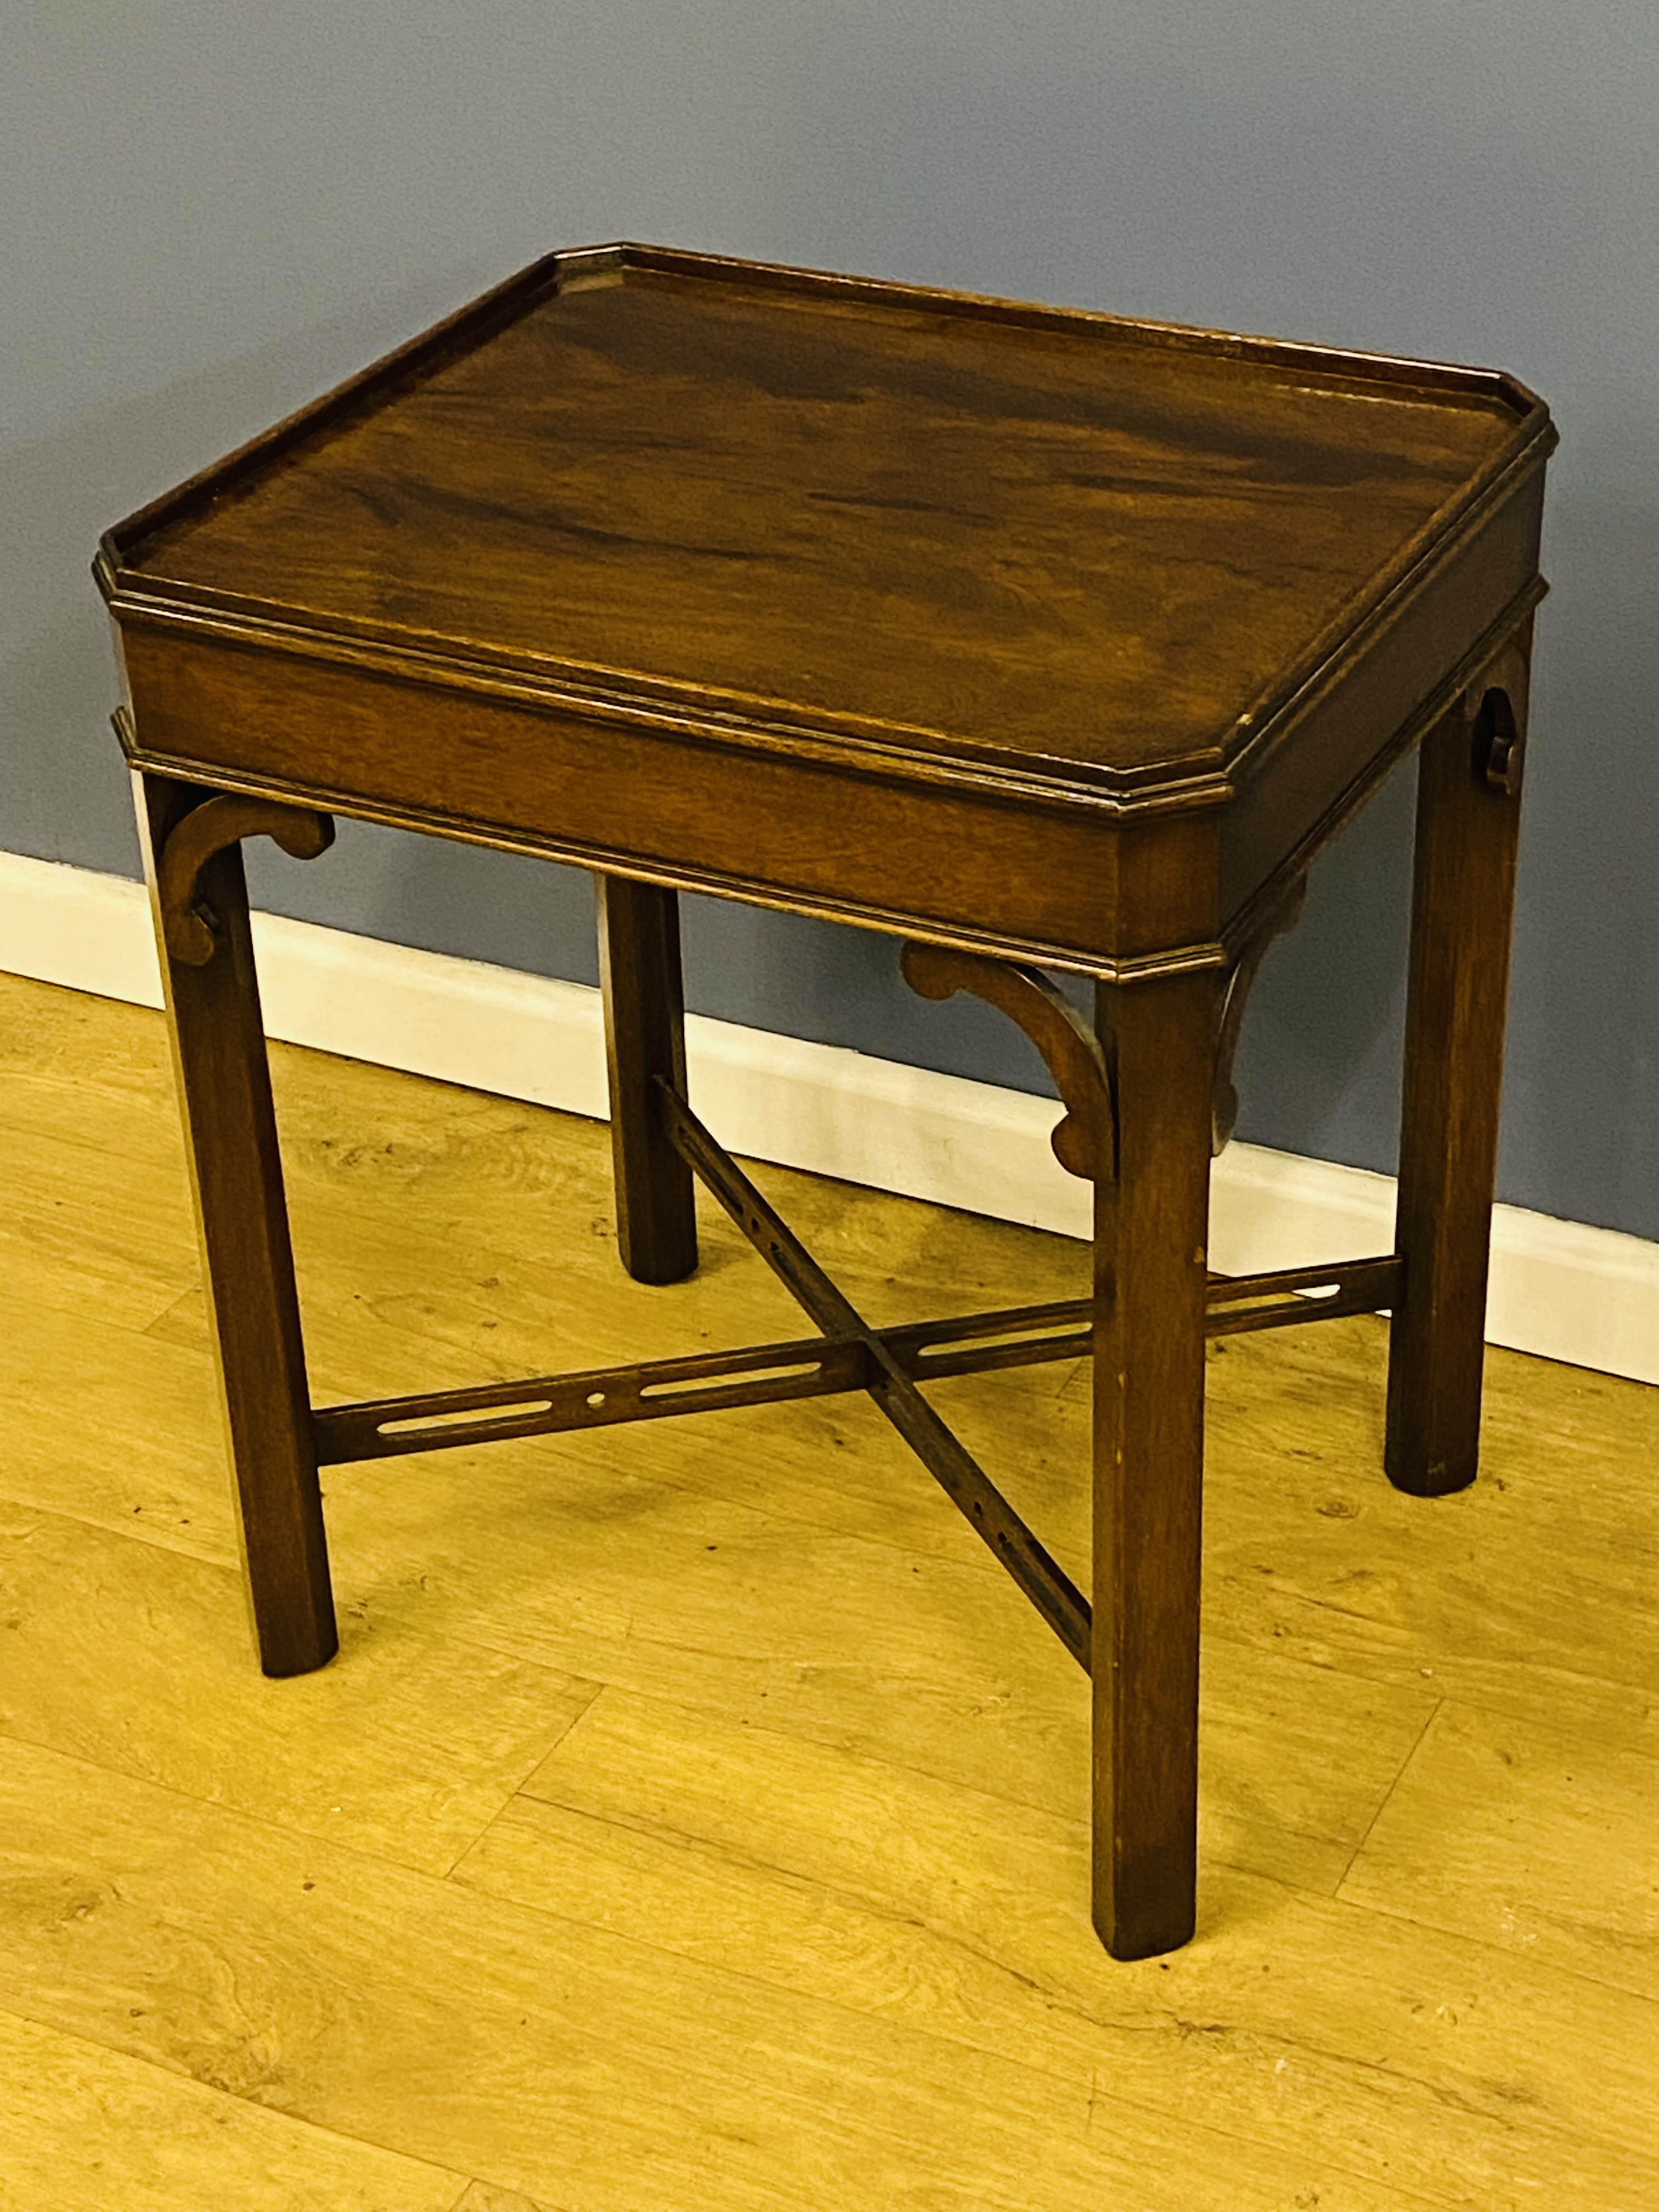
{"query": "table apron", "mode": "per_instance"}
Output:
(1083, 889)
(1079, 886)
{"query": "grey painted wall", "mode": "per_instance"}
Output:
(213, 209)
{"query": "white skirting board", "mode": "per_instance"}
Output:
(1559, 1289)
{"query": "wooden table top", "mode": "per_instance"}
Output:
(1102, 551)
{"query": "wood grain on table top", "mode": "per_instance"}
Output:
(1044, 538)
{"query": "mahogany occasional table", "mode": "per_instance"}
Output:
(1041, 641)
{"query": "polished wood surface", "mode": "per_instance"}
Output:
(224, 1096)
(1468, 800)
(1026, 635)
(645, 1041)
(617, 1871)
(1084, 1139)
(1152, 1229)
(190, 929)
(858, 598)
(1066, 539)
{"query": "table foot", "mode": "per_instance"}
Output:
(1467, 822)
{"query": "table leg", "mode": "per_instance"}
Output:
(644, 1038)
(1151, 1228)
(230, 1133)
(1468, 817)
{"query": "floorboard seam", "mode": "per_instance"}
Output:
(279, 2114)
(1387, 1796)
(518, 1787)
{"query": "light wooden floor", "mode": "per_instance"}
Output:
(694, 1816)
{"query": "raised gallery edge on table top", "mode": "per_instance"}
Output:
(922, 526)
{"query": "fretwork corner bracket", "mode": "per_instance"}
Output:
(188, 922)
(1084, 1140)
